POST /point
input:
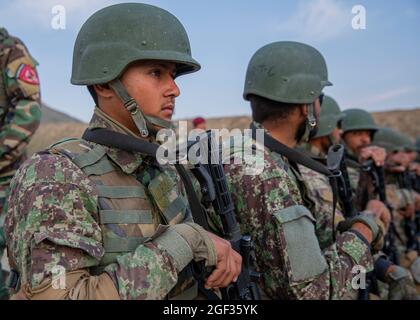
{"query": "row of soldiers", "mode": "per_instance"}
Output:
(105, 216)
(392, 179)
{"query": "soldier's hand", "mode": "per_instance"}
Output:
(409, 211)
(228, 267)
(380, 211)
(377, 154)
(395, 168)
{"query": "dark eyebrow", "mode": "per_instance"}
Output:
(165, 66)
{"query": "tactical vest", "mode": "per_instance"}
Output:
(128, 211)
(295, 176)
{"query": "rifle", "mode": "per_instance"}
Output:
(336, 163)
(411, 227)
(378, 178)
(215, 192)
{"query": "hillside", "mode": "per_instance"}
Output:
(51, 115)
(406, 121)
(56, 125)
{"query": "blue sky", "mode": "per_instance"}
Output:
(377, 68)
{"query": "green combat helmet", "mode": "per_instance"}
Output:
(288, 72)
(329, 117)
(418, 144)
(118, 35)
(392, 140)
(357, 119)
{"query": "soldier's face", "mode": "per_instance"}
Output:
(412, 155)
(398, 158)
(152, 85)
(336, 134)
(357, 140)
(201, 126)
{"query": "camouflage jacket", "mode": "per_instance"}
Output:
(20, 112)
(398, 196)
(53, 220)
(320, 192)
(271, 208)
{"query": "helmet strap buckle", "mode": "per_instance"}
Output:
(311, 116)
(131, 106)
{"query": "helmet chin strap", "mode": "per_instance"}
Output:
(331, 140)
(310, 123)
(145, 124)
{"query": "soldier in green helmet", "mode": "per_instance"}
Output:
(358, 128)
(359, 131)
(321, 193)
(110, 223)
(399, 149)
(284, 83)
(402, 196)
(20, 114)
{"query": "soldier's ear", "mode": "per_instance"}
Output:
(104, 90)
(303, 110)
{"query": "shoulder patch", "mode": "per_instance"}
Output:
(28, 74)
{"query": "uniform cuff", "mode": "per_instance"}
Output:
(381, 267)
(176, 246)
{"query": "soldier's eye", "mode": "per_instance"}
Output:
(156, 73)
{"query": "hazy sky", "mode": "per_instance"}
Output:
(377, 68)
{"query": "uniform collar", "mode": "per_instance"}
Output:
(127, 161)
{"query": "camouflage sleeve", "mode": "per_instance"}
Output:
(288, 253)
(51, 221)
(320, 192)
(354, 175)
(21, 116)
(399, 198)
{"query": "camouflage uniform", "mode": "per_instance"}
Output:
(116, 224)
(272, 208)
(55, 218)
(19, 115)
(398, 284)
